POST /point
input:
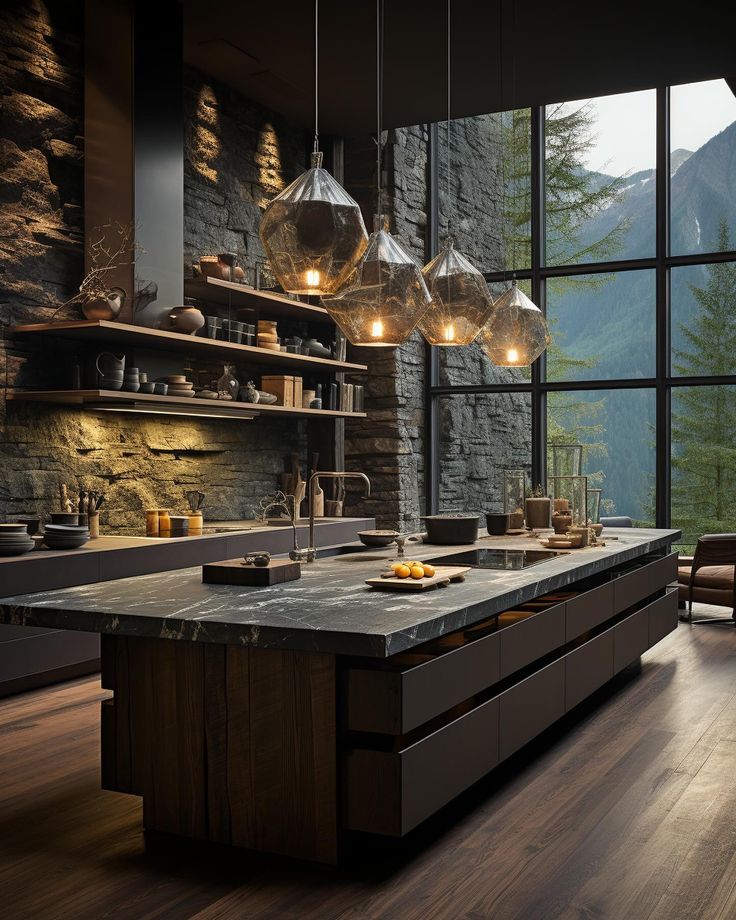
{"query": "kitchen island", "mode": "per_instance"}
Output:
(278, 718)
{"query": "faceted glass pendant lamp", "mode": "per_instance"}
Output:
(385, 296)
(517, 333)
(313, 233)
(461, 302)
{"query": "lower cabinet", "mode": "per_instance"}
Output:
(391, 791)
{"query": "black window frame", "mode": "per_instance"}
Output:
(663, 383)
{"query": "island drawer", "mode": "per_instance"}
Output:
(530, 639)
(391, 792)
(530, 706)
(587, 668)
(589, 609)
(663, 616)
(633, 586)
(630, 639)
(398, 700)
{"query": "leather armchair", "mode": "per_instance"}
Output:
(708, 576)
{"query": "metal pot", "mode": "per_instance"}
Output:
(105, 307)
(451, 528)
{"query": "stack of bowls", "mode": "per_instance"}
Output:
(65, 536)
(14, 540)
(179, 385)
(131, 380)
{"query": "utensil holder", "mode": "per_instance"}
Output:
(93, 519)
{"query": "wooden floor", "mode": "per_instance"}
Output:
(629, 813)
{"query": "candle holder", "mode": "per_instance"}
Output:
(514, 494)
(574, 491)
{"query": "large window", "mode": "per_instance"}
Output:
(618, 216)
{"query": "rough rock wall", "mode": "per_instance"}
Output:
(479, 436)
(138, 461)
(389, 444)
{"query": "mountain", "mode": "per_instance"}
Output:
(612, 318)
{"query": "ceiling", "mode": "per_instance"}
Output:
(550, 52)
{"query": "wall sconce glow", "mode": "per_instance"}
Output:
(449, 335)
(384, 298)
(517, 333)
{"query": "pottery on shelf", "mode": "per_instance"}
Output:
(248, 393)
(227, 385)
(268, 399)
(107, 306)
(187, 320)
(110, 365)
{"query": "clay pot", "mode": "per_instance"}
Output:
(106, 307)
(186, 320)
(561, 522)
(537, 512)
(497, 524)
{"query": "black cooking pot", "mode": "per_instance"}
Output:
(451, 528)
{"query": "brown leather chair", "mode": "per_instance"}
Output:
(708, 576)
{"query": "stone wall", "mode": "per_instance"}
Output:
(138, 461)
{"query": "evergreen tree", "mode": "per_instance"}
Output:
(704, 417)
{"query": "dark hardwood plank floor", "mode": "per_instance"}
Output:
(626, 811)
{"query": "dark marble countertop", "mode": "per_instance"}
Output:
(329, 609)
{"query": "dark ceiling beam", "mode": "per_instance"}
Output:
(549, 52)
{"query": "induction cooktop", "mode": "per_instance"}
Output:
(506, 559)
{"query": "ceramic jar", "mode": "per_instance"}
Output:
(561, 522)
(187, 320)
(227, 385)
(537, 512)
(107, 306)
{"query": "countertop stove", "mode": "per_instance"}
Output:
(503, 559)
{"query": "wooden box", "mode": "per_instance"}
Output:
(282, 387)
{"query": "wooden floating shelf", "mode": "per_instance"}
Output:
(142, 402)
(109, 332)
(230, 293)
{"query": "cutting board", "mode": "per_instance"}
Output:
(233, 572)
(443, 575)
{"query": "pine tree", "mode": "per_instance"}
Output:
(704, 418)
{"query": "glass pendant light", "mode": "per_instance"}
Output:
(386, 295)
(313, 232)
(461, 302)
(517, 333)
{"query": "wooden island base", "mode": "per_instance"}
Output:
(281, 751)
(225, 743)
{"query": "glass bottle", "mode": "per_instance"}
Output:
(227, 385)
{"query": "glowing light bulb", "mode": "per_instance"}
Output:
(377, 329)
(512, 354)
(312, 278)
(449, 333)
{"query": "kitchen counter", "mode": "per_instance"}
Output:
(330, 609)
(280, 719)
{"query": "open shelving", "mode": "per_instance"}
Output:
(142, 402)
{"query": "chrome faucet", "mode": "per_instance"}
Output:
(309, 554)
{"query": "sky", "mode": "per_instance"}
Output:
(626, 124)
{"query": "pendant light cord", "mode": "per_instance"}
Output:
(316, 76)
(379, 105)
(447, 133)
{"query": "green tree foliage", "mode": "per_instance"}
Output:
(704, 418)
(573, 196)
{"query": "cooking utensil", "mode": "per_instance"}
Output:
(451, 528)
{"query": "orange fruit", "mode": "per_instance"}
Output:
(428, 570)
(402, 571)
(417, 571)
(396, 565)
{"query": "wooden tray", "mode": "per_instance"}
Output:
(443, 575)
(233, 572)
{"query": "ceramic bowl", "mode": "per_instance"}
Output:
(377, 537)
(161, 389)
(176, 378)
(16, 549)
(32, 524)
(131, 386)
(107, 384)
(70, 542)
(17, 527)
(66, 528)
(147, 387)
(64, 517)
